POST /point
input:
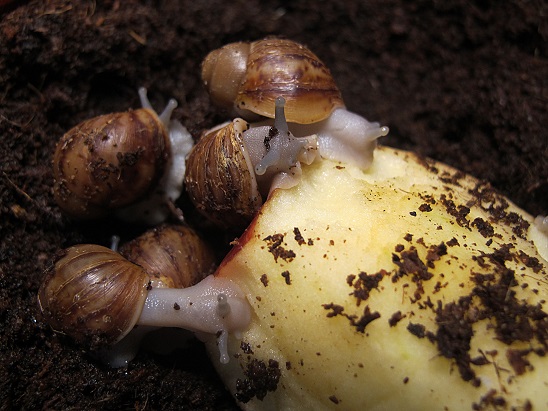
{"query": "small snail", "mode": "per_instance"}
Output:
(234, 166)
(96, 296)
(131, 162)
(246, 78)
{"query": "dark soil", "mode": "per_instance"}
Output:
(464, 82)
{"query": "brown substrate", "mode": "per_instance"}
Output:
(462, 82)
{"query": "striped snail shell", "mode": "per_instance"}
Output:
(220, 179)
(130, 163)
(96, 295)
(93, 294)
(246, 78)
(235, 165)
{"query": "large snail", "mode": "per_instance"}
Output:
(97, 296)
(246, 79)
(234, 166)
(131, 163)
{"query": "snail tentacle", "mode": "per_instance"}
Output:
(279, 118)
(164, 116)
(280, 151)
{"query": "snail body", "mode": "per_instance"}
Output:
(97, 296)
(246, 78)
(234, 166)
(118, 160)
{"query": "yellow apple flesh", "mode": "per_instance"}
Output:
(409, 286)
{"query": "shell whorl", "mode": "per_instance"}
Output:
(274, 68)
(220, 179)
(223, 71)
(109, 161)
(278, 67)
(174, 256)
(93, 294)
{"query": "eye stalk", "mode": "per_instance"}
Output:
(213, 308)
(284, 151)
(273, 154)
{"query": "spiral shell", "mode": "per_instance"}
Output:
(109, 162)
(174, 256)
(248, 77)
(220, 179)
(93, 294)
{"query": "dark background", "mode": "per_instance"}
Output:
(464, 82)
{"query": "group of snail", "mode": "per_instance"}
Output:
(135, 164)
(427, 291)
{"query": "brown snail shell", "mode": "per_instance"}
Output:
(109, 162)
(248, 77)
(220, 179)
(96, 295)
(174, 256)
(93, 294)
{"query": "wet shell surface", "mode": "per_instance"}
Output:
(93, 294)
(109, 162)
(250, 76)
(220, 179)
(174, 256)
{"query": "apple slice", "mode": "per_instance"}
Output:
(408, 286)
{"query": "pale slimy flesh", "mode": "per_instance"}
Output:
(406, 286)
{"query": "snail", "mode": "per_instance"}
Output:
(97, 296)
(174, 256)
(234, 166)
(246, 78)
(130, 163)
